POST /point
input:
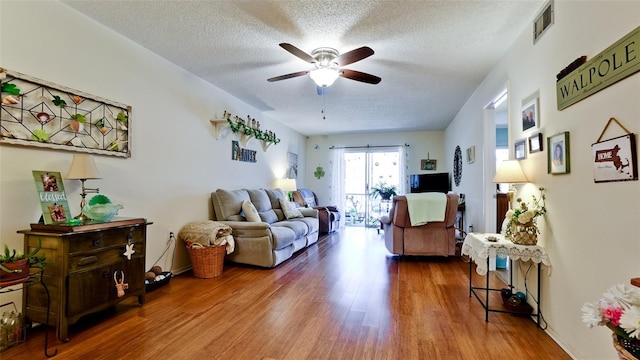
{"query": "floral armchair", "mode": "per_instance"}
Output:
(329, 216)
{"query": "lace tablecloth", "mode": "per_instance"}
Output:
(480, 249)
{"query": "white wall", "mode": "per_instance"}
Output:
(591, 230)
(421, 144)
(176, 161)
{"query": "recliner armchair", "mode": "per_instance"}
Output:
(435, 238)
(329, 216)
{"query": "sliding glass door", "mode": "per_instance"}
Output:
(364, 170)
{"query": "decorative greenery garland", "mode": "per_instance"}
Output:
(239, 126)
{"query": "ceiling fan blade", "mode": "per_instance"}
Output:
(288, 76)
(359, 76)
(354, 55)
(297, 52)
(323, 90)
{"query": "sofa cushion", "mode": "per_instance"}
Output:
(311, 223)
(250, 212)
(282, 236)
(290, 211)
(229, 204)
(275, 195)
(261, 201)
(298, 227)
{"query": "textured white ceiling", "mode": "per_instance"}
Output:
(431, 55)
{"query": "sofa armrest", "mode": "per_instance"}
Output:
(307, 212)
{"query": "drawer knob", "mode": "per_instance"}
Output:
(96, 242)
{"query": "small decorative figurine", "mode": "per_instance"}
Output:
(129, 251)
(120, 285)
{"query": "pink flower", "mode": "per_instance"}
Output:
(613, 314)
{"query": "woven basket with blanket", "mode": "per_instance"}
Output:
(207, 241)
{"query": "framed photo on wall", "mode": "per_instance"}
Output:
(558, 160)
(428, 164)
(535, 143)
(520, 149)
(471, 155)
(530, 115)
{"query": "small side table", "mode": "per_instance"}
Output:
(481, 250)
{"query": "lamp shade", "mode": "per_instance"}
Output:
(324, 77)
(83, 167)
(510, 172)
(287, 185)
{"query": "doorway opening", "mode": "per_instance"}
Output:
(366, 168)
(497, 140)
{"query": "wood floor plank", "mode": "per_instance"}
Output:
(345, 297)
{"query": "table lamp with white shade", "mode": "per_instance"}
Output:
(288, 186)
(83, 168)
(510, 172)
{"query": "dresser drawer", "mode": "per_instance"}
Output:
(105, 239)
(90, 259)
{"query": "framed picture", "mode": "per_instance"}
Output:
(520, 149)
(558, 159)
(428, 164)
(292, 165)
(530, 115)
(535, 143)
(471, 155)
(615, 159)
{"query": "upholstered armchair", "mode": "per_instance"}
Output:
(329, 216)
(435, 238)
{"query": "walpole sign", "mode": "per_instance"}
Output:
(615, 63)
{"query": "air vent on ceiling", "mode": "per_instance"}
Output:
(543, 21)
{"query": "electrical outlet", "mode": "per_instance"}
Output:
(172, 236)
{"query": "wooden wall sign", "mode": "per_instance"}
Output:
(615, 159)
(41, 114)
(615, 63)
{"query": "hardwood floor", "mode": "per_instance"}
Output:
(343, 298)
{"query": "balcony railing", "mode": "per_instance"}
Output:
(362, 210)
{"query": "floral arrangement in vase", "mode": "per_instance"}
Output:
(619, 310)
(520, 224)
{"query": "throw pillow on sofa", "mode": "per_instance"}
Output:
(290, 211)
(250, 212)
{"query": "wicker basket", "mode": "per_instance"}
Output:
(207, 262)
(626, 350)
(525, 234)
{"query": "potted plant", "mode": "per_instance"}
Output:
(384, 191)
(15, 265)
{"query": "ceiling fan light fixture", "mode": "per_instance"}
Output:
(324, 77)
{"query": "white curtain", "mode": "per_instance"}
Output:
(402, 176)
(337, 182)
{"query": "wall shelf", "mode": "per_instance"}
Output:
(220, 128)
(244, 131)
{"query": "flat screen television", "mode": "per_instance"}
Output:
(437, 182)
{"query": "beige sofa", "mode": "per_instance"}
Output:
(273, 239)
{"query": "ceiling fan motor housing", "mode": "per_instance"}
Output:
(325, 57)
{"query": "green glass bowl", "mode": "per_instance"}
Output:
(101, 212)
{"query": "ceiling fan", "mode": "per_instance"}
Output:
(328, 63)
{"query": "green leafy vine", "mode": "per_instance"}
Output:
(251, 127)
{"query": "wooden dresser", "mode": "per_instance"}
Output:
(82, 262)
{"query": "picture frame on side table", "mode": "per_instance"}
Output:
(520, 149)
(535, 143)
(530, 118)
(558, 154)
